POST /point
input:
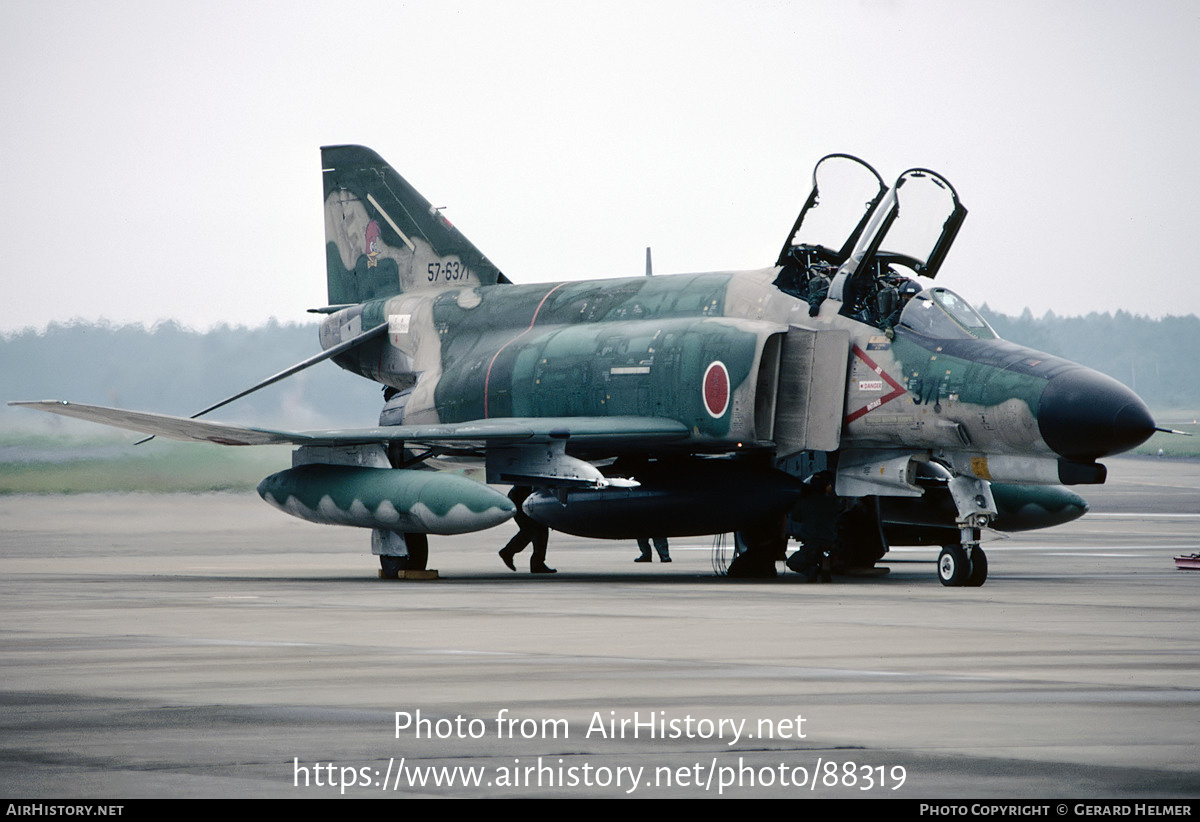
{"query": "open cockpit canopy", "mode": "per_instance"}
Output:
(845, 194)
(861, 244)
(914, 227)
(907, 237)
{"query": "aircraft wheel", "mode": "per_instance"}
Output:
(390, 567)
(979, 568)
(417, 559)
(418, 551)
(953, 566)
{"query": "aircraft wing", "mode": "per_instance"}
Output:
(514, 430)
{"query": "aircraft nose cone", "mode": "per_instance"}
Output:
(1084, 415)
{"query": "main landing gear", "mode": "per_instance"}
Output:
(392, 566)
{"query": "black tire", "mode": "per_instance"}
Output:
(418, 557)
(953, 567)
(390, 567)
(764, 543)
(751, 565)
(979, 568)
(418, 551)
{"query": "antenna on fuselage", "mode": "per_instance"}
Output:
(648, 267)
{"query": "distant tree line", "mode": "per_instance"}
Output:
(1157, 358)
(174, 370)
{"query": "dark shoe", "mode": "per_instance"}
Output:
(666, 559)
(508, 559)
(643, 559)
(542, 569)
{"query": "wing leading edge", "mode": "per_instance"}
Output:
(626, 431)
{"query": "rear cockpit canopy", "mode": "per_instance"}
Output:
(913, 227)
(908, 237)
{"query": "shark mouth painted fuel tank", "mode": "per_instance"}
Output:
(407, 501)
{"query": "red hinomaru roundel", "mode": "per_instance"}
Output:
(715, 389)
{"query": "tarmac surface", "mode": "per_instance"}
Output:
(207, 646)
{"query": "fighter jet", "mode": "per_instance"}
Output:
(682, 405)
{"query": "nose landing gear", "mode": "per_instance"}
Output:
(966, 563)
(958, 568)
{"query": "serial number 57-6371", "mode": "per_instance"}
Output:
(450, 271)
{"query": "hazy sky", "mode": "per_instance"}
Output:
(160, 160)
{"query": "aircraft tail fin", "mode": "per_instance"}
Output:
(383, 238)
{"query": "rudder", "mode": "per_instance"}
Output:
(383, 238)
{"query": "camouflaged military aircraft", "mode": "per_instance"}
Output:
(682, 405)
